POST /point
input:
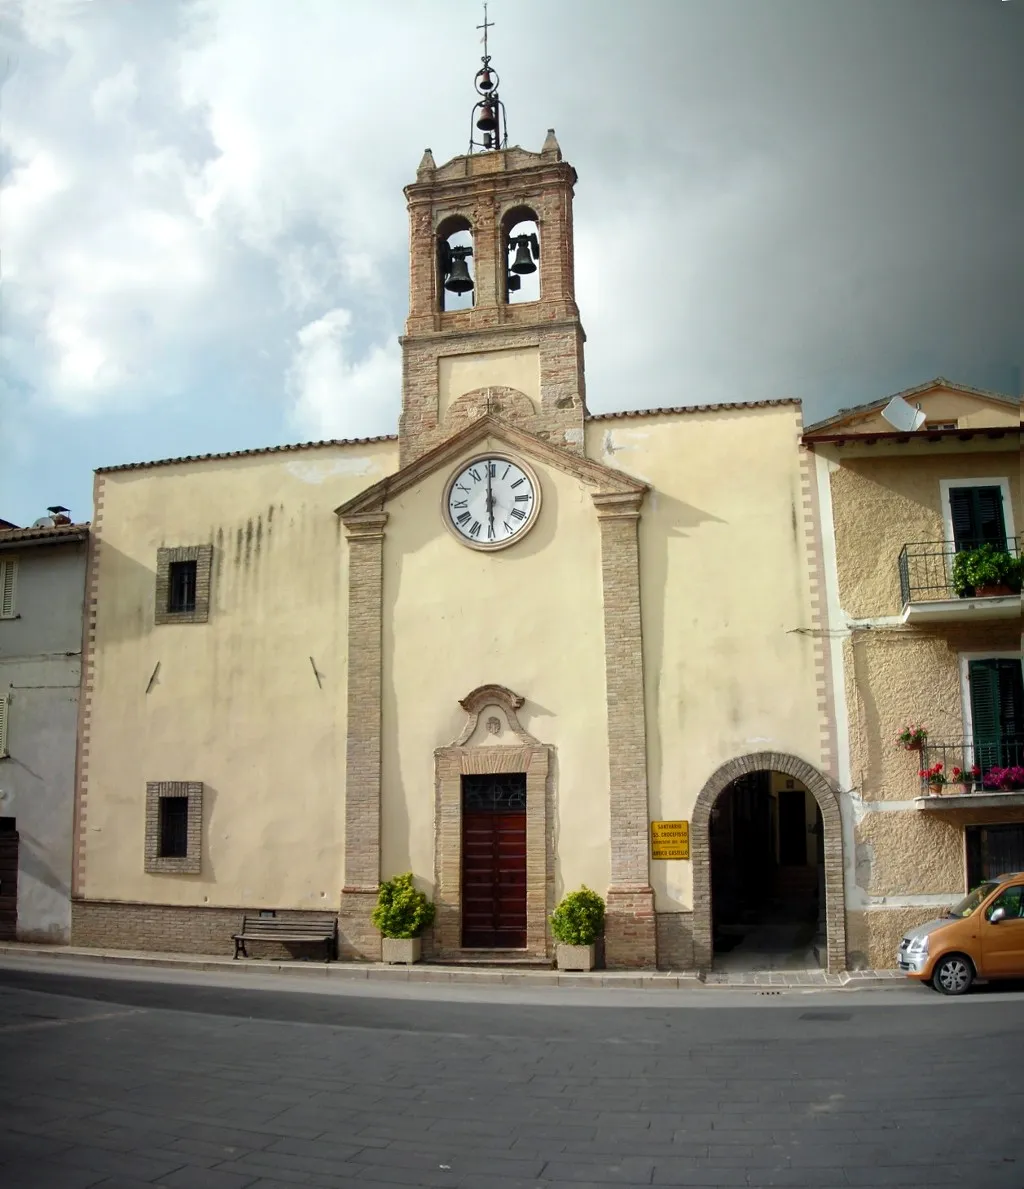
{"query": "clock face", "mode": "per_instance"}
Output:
(491, 502)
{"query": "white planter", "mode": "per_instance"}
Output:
(401, 951)
(576, 957)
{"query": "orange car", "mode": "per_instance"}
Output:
(982, 937)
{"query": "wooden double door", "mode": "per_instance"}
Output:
(8, 879)
(494, 861)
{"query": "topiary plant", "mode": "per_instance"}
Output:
(579, 918)
(402, 911)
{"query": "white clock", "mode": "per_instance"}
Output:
(491, 502)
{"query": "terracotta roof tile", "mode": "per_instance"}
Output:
(739, 404)
(49, 532)
(166, 462)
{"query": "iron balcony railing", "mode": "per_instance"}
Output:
(926, 569)
(985, 764)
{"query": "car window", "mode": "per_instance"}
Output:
(1012, 900)
(969, 903)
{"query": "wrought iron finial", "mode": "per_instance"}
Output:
(488, 117)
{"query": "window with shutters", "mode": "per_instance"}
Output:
(977, 512)
(996, 706)
(5, 702)
(8, 583)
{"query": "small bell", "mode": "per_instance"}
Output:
(488, 120)
(523, 263)
(485, 80)
(458, 279)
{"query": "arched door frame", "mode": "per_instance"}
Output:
(700, 849)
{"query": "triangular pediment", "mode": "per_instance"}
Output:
(595, 474)
(942, 402)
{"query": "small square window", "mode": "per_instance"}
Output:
(173, 841)
(181, 587)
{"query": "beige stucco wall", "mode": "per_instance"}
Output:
(530, 618)
(907, 862)
(725, 597)
(517, 367)
(943, 404)
(881, 504)
(235, 702)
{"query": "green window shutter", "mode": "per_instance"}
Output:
(8, 572)
(977, 515)
(4, 703)
(997, 712)
(983, 677)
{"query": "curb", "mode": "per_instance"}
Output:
(429, 973)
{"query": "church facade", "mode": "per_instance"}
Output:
(491, 649)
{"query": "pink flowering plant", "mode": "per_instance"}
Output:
(1005, 779)
(912, 737)
(964, 776)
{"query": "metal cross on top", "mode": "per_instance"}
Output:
(489, 112)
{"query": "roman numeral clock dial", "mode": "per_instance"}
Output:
(491, 502)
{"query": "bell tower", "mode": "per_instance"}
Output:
(493, 326)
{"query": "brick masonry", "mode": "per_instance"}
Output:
(202, 555)
(357, 937)
(675, 940)
(700, 849)
(165, 928)
(630, 934)
(191, 863)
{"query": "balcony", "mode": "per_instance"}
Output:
(993, 771)
(930, 595)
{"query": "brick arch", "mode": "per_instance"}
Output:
(700, 849)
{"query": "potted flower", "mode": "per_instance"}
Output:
(912, 737)
(577, 923)
(935, 778)
(1005, 780)
(964, 777)
(401, 915)
(986, 571)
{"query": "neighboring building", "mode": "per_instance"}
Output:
(311, 668)
(42, 591)
(912, 644)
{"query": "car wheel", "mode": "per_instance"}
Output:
(953, 975)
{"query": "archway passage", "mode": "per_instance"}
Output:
(767, 875)
(829, 850)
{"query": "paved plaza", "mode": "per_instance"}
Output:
(131, 1078)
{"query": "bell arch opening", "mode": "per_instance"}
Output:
(520, 238)
(767, 850)
(456, 266)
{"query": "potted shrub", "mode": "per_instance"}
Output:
(912, 737)
(986, 571)
(577, 923)
(1005, 780)
(401, 915)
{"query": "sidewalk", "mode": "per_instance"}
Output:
(435, 973)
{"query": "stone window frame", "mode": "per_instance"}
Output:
(192, 862)
(202, 555)
(458, 759)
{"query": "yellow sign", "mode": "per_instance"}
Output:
(670, 840)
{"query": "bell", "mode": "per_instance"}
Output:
(523, 263)
(485, 80)
(459, 280)
(488, 120)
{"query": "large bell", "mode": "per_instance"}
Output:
(488, 120)
(523, 263)
(459, 280)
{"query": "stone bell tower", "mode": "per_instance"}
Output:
(482, 336)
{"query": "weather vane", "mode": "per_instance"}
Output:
(489, 112)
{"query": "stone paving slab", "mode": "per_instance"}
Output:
(476, 976)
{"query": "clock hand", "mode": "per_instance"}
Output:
(490, 502)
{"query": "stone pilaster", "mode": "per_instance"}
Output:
(630, 934)
(357, 937)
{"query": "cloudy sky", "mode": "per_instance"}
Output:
(203, 228)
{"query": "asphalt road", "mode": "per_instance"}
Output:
(130, 1080)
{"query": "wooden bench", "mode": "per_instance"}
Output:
(285, 929)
